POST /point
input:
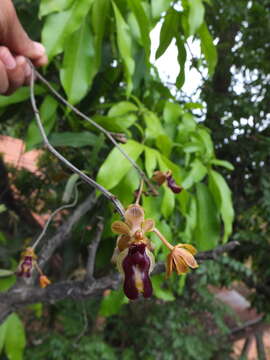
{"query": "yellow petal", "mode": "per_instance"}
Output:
(189, 247)
(152, 260)
(186, 257)
(119, 260)
(119, 227)
(148, 225)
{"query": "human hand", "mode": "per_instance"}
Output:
(15, 48)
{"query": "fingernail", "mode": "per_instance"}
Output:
(9, 62)
(39, 48)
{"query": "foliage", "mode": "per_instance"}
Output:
(99, 53)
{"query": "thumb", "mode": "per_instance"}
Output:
(17, 40)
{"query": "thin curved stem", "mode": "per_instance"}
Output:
(162, 238)
(100, 128)
(66, 206)
(84, 177)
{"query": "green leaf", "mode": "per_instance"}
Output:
(159, 290)
(168, 31)
(208, 48)
(6, 273)
(15, 338)
(124, 44)
(126, 188)
(158, 7)
(223, 163)
(20, 95)
(195, 16)
(48, 117)
(116, 124)
(172, 112)
(79, 66)
(73, 139)
(164, 144)
(3, 331)
(122, 108)
(142, 19)
(182, 56)
(150, 161)
(69, 188)
(197, 173)
(204, 136)
(168, 202)
(111, 304)
(223, 198)
(153, 125)
(99, 16)
(116, 166)
(191, 219)
(59, 26)
(2, 208)
(207, 232)
(49, 6)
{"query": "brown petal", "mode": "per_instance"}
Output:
(189, 247)
(123, 242)
(180, 266)
(119, 227)
(134, 217)
(169, 265)
(160, 177)
(148, 225)
(186, 256)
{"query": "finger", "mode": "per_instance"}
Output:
(4, 84)
(16, 39)
(41, 61)
(18, 75)
(7, 58)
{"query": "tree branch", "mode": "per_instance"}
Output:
(64, 230)
(92, 251)
(84, 177)
(18, 297)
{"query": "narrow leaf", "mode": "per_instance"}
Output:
(79, 66)
(15, 338)
(59, 26)
(124, 44)
(196, 14)
(208, 48)
(207, 231)
(223, 199)
(168, 31)
(116, 166)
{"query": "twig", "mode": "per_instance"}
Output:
(87, 179)
(92, 250)
(260, 345)
(67, 206)
(100, 128)
(18, 297)
(213, 254)
(246, 347)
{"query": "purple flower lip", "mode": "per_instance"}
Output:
(25, 268)
(173, 186)
(136, 266)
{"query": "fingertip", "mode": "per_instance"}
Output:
(39, 49)
(42, 61)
